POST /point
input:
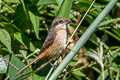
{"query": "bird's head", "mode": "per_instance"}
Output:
(60, 23)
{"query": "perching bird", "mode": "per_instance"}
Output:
(54, 43)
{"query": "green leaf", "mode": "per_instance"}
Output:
(19, 37)
(72, 63)
(8, 8)
(1, 76)
(109, 21)
(21, 21)
(105, 75)
(36, 77)
(8, 27)
(94, 56)
(118, 4)
(5, 39)
(32, 47)
(17, 64)
(94, 13)
(24, 40)
(35, 22)
(42, 2)
(89, 18)
(23, 52)
(3, 64)
(78, 73)
(64, 10)
(24, 8)
(113, 56)
(96, 69)
(116, 31)
(112, 35)
(59, 2)
(12, 1)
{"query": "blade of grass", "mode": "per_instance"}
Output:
(112, 35)
(65, 8)
(109, 21)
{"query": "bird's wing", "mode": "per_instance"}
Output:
(49, 40)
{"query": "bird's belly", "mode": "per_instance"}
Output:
(58, 45)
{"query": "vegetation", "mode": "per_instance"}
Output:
(24, 25)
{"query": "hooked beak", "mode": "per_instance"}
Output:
(68, 21)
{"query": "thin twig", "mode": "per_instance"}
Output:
(36, 51)
(36, 70)
(42, 66)
(11, 64)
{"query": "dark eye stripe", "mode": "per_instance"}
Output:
(56, 23)
(61, 21)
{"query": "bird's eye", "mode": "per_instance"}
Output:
(61, 21)
(58, 22)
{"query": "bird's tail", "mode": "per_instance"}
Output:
(35, 60)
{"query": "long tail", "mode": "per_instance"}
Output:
(42, 55)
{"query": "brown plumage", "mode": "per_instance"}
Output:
(54, 42)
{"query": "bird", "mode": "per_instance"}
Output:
(54, 43)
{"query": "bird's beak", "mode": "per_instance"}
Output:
(68, 21)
